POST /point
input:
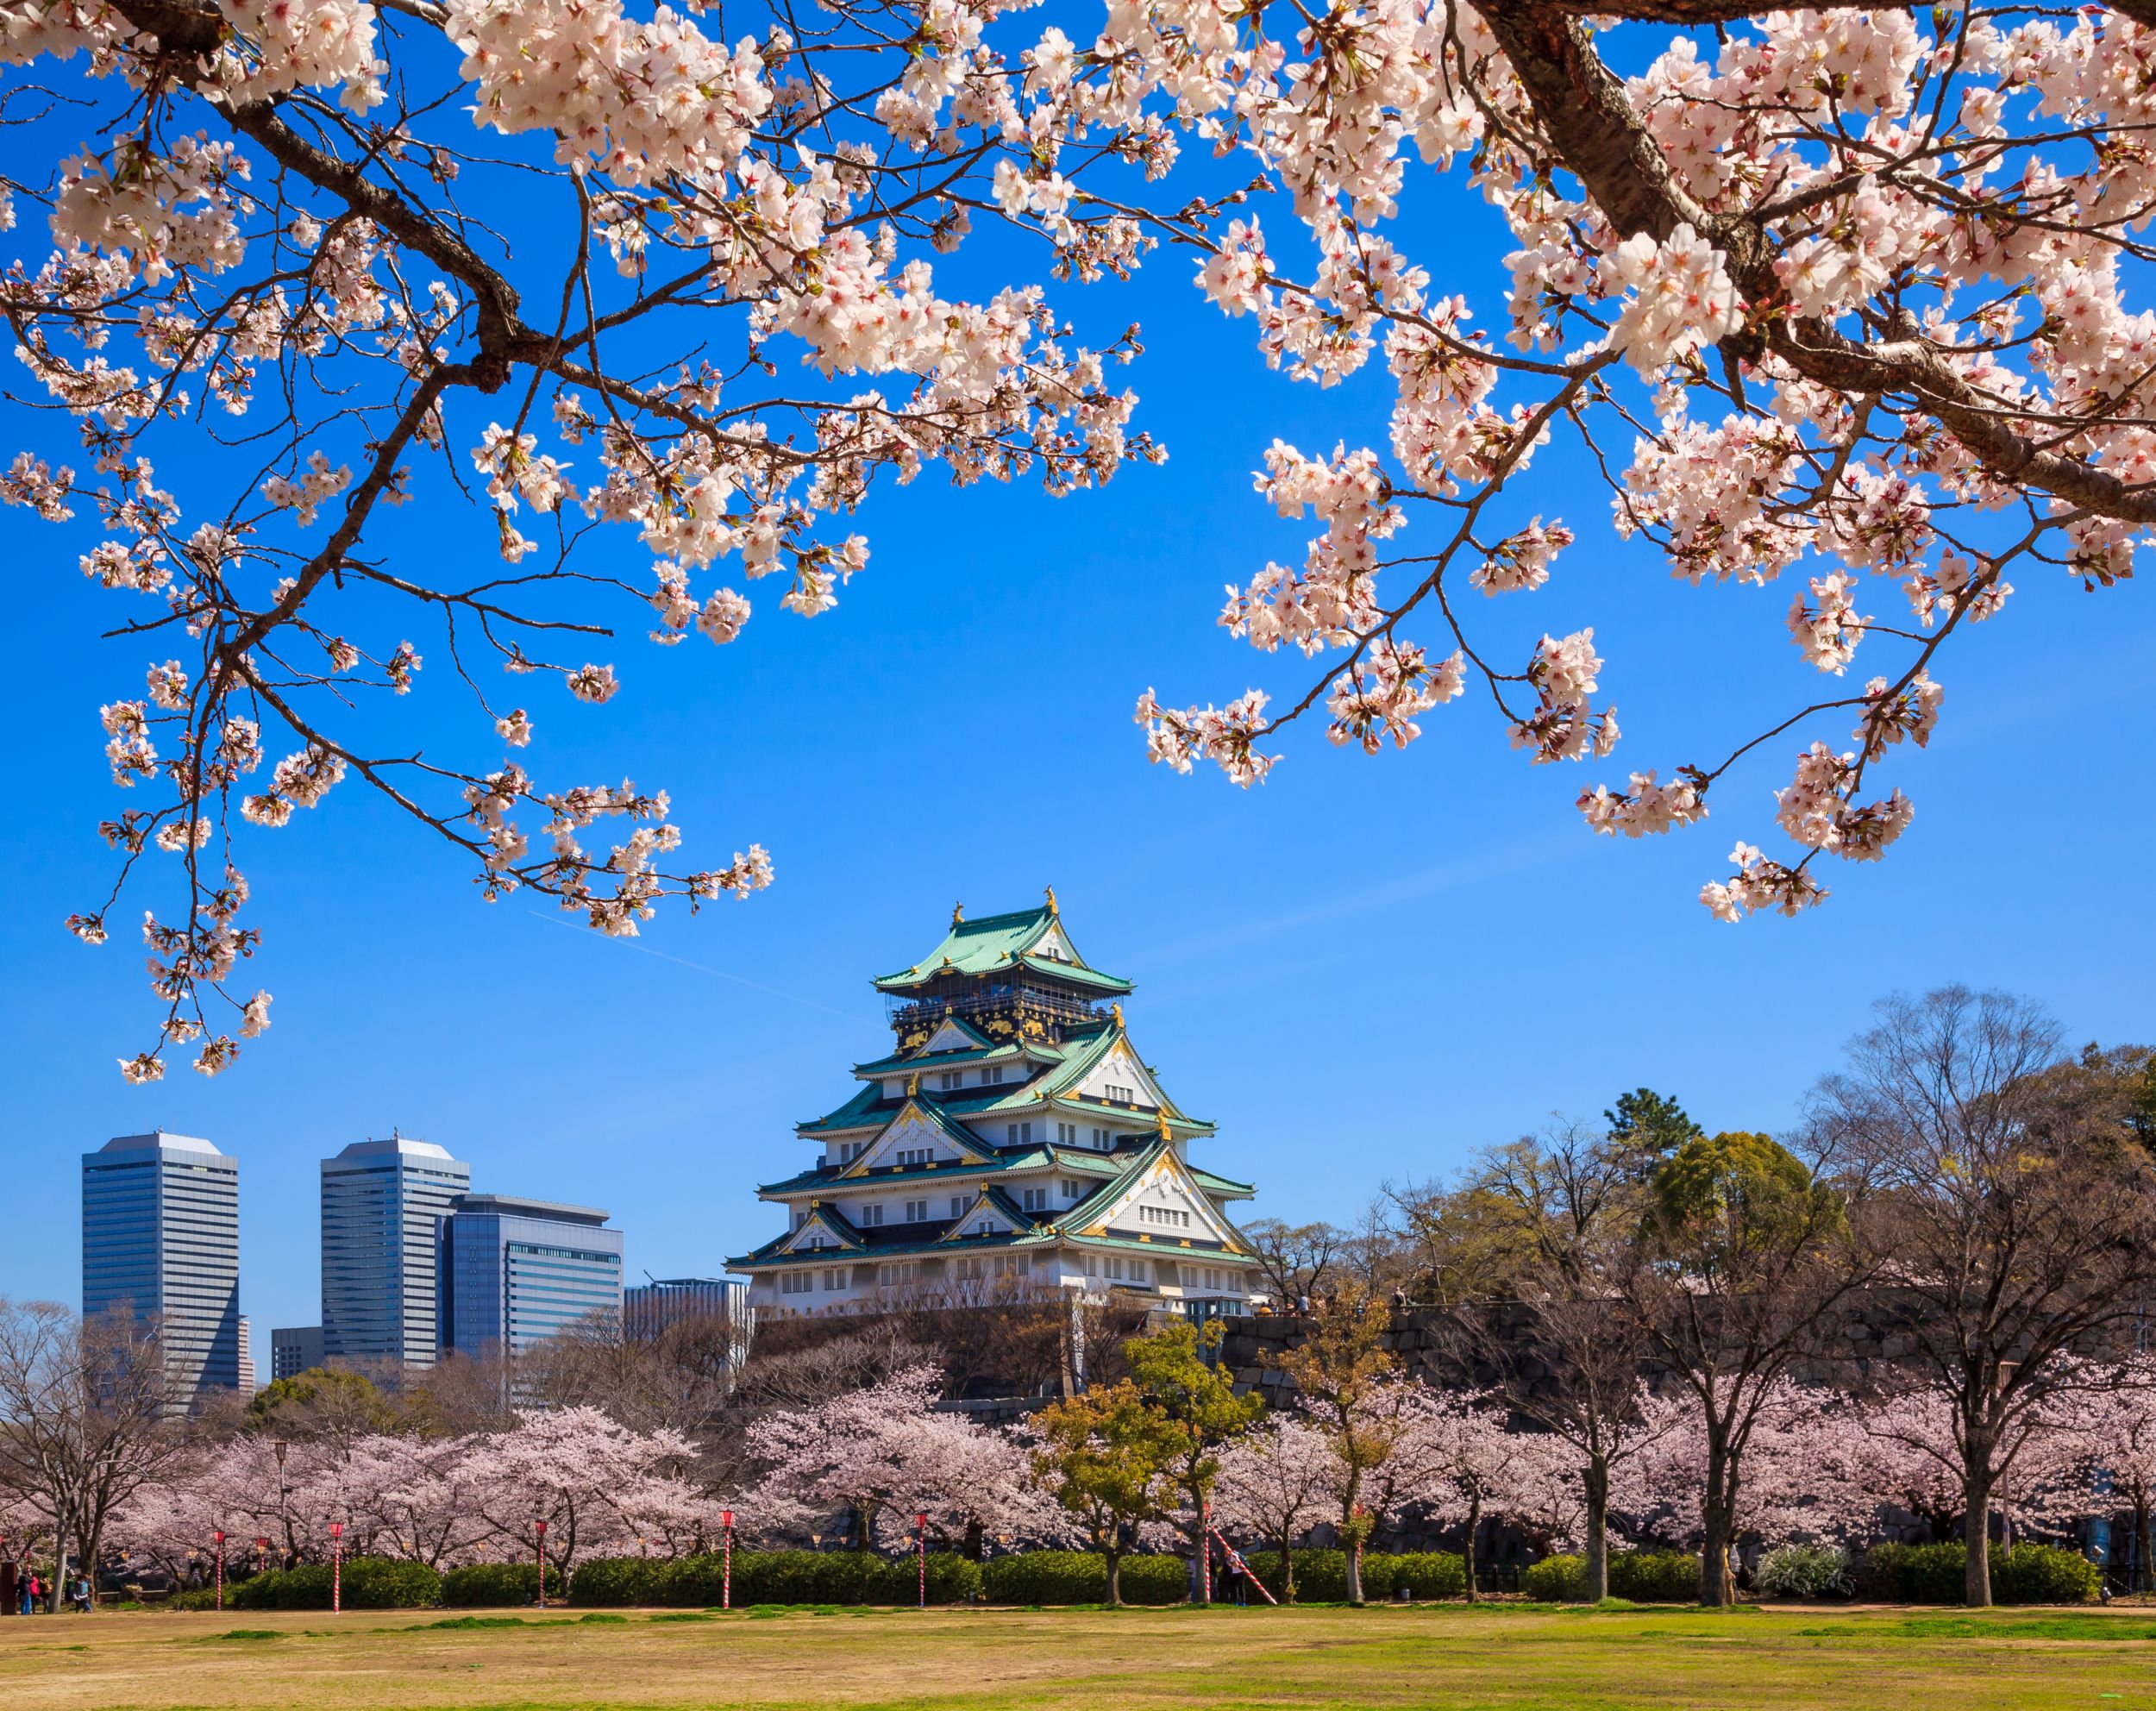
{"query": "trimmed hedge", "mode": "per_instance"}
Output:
(1936, 1573)
(1554, 1580)
(774, 1577)
(1081, 1577)
(368, 1583)
(1653, 1577)
(483, 1585)
(1321, 1575)
(1643, 1576)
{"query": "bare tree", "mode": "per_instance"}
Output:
(85, 1418)
(1295, 1258)
(1553, 1218)
(2017, 1205)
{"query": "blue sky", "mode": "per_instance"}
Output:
(1361, 971)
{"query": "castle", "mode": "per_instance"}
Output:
(1013, 1144)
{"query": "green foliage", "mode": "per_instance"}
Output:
(1081, 1577)
(775, 1577)
(1194, 1399)
(1555, 1580)
(1936, 1573)
(368, 1583)
(321, 1391)
(197, 1600)
(1653, 1577)
(1426, 1573)
(1649, 1127)
(1804, 1571)
(486, 1584)
(2043, 1574)
(1104, 1455)
(1321, 1575)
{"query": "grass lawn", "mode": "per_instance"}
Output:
(1089, 1660)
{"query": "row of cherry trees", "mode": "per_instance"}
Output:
(1823, 1466)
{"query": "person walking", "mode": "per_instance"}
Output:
(33, 1589)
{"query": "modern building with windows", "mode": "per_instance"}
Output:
(514, 1272)
(650, 1310)
(1012, 1142)
(247, 1359)
(160, 1229)
(294, 1349)
(380, 1203)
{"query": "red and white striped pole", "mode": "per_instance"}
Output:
(1205, 1553)
(337, 1567)
(219, 1536)
(726, 1574)
(540, 1529)
(920, 1537)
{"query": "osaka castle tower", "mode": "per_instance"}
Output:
(1013, 1144)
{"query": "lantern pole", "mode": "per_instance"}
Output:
(337, 1567)
(219, 1536)
(726, 1576)
(540, 1529)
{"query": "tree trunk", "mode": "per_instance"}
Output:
(1595, 1480)
(1287, 1569)
(1112, 1556)
(1975, 1528)
(1201, 1576)
(1718, 1516)
(1354, 1569)
(2144, 1536)
(1466, 1550)
(976, 1541)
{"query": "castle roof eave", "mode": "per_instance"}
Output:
(1005, 941)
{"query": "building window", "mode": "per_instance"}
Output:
(1016, 1133)
(1137, 1271)
(957, 1206)
(917, 1212)
(835, 1280)
(908, 1157)
(871, 1215)
(984, 1228)
(1103, 1139)
(800, 1218)
(1066, 1134)
(1164, 1214)
(952, 1078)
(1033, 1199)
(1071, 1191)
(1120, 1095)
(796, 1282)
(992, 1076)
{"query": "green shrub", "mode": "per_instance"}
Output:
(614, 1581)
(1653, 1577)
(1426, 1573)
(485, 1585)
(368, 1583)
(1081, 1577)
(194, 1601)
(841, 1578)
(1321, 1575)
(1804, 1571)
(2043, 1574)
(1554, 1580)
(1937, 1574)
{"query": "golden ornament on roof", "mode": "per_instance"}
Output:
(957, 914)
(1052, 909)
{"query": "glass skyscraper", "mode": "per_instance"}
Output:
(514, 1272)
(160, 1229)
(380, 1202)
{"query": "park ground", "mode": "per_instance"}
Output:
(1088, 1660)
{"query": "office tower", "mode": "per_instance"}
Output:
(246, 1361)
(160, 1229)
(380, 1200)
(647, 1309)
(294, 1349)
(514, 1272)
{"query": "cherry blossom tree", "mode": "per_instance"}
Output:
(597, 1484)
(1272, 1480)
(883, 1454)
(1840, 295)
(1471, 1467)
(2115, 1424)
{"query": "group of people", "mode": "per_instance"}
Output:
(32, 1587)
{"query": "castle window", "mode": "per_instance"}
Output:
(835, 1280)
(871, 1216)
(1120, 1095)
(917, 1212)
(957, 1206)
(1033, 1199)
(991, 1077)
(952, 1078)
(796, 1282)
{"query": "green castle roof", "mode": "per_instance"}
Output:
(1005, 942)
